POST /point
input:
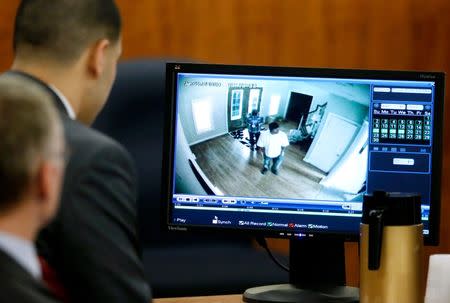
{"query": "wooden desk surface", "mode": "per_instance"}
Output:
(207, 299)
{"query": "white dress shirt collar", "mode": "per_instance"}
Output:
(64, 101)
(23, 252)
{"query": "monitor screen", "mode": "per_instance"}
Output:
(290, 152)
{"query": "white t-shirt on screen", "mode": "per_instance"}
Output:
(273, 143)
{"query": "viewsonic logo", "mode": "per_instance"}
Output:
(177, 228)
(427, 76)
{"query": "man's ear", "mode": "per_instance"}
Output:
(47, 190)
(44, 181)
(97, 57)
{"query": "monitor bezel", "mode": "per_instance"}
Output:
(173, 68)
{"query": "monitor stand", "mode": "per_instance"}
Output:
(316, 275)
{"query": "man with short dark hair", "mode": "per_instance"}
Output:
(272, 144)
(31, 171)
(71, 47)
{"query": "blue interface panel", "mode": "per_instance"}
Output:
(389, 147)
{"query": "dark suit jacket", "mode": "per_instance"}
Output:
(18, 286)
(93, 243)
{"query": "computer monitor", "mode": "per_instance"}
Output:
(290, 152)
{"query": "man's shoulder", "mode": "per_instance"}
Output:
(284, 138)
(18, 285)
(81, 136)
(89, 147)
(265, 134)
(283, 134)
(20, 293)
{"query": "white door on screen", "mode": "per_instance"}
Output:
(254, 99)
(331, 142)
(349, 174)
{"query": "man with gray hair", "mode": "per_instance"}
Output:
(32, 150)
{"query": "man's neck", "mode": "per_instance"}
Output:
(19, 224)
(59, 78)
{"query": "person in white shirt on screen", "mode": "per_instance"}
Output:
(273, 143)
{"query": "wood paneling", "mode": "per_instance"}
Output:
(400, 34)
(7, 12)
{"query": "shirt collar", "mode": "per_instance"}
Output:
(64, 101)
(23, 252)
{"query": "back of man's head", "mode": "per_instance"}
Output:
(60, 30)
(30, 133)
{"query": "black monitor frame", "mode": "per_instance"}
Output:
(172, 69)
(317, 265)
